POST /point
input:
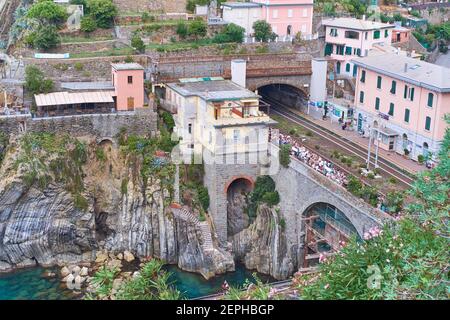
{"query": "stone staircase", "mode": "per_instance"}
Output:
(186, 215)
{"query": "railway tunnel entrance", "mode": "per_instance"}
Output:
(284, 94)
(326, 229)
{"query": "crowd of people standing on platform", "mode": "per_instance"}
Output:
(314, 160)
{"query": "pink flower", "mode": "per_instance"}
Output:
(326, 286)
(322, 258)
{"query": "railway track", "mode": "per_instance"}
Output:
(277, 285)
(383, 164)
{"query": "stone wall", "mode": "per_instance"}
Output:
(217, 178)
(127, 6)
(92, 69)
(301, 187)
(142, 122)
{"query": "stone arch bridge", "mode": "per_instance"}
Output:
(300, 187)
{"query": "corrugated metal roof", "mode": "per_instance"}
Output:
(99, 85)
(127, 66)
(65, 98)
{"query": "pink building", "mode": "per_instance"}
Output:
(287, 17)
(128, 82)
(405, 99)
(400, 34)
(347, 38)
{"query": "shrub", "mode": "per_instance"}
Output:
(182, 30)
(103, 11)
(197, 29)
(263, 31)
(88, 24)
(420, 158)
(394, 201)
(80, 202)
(282, 223)
(271, 198)
(354, 186)
(100, 154)
(129, 59)
(48, 13)
(35, 82)
(231, 33)
(78, 66)
(203, 197)
(145, 17)
(168, 120)
(45, 37)
(137, 43)
(370, 175)
(392, 180)
(285, 155)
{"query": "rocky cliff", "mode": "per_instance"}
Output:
(118, 209)
(263, 247)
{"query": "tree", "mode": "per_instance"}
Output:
(197, 29)
(137, 43)
(285, 155)
(48, 12)
(263, 31)
(46, 37)
(103, 11)
(88, 24)
(35, 81)
(231, 33)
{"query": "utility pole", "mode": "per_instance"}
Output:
(376, 150)
(370, 146)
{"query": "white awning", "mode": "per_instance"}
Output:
(65, 98)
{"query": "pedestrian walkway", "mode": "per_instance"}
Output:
(398, 160)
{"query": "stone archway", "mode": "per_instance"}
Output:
(237, 190)
(284, 93)
(325, 228)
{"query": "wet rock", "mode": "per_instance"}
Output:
(64, 272)
(69, 279)
(263, 246)
(79, 280)
(101, 257)
(128, 256)
(76, 270)
(84, 271)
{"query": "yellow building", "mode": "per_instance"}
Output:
(218, 115)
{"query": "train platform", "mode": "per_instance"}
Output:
(398, 160)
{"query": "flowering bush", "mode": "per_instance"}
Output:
(407, 259)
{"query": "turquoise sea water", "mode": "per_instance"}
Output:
(193, 285)
(30, 284)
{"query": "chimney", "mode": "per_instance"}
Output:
(239, 72)
(406, 67)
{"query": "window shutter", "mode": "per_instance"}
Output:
(406, 115)
(427, 123)
(430, 99)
